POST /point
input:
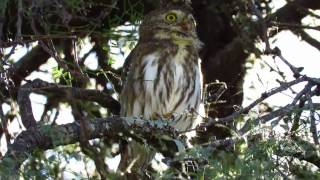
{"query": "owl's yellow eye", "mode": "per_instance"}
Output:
(171, 17)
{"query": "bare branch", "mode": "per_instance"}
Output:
(307, 38)
(35, 38)
(294, 26)
(4, 124)
(282, 111)
(50, 49)
(265, 95)
(296, 71)
(19, 21)
(27, 64)
(69, 93)
(2, 20)
(313, 126)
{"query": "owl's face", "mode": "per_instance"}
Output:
(169, 24)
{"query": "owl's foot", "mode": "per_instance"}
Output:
(166, 116)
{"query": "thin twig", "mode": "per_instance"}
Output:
(263, 24)
(299, 97)
(19, 22)
(296, 71)
(290, 25)
(264, 96)
(35, 38)
(301, 93)
(276, 113)
(313, 127)
(4, 124)
(50, 49)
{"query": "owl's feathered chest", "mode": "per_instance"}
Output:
(172, 66)
(166, 72)
(162, 82)
(167, 59)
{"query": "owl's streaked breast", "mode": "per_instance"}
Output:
(165, 84)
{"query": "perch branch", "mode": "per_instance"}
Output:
(156, 133)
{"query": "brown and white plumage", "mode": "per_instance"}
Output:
(163, 78)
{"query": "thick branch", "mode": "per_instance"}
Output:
(27, 64)
(156, 133)
(306, 37)
(24, 103)
(293, 11)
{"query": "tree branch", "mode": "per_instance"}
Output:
(25, 106)
(307, 38)
(27, 64)
(69, 93)
(156, 133)
(264, 96)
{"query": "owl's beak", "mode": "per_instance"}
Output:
(187, 24)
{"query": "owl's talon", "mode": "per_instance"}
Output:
(155, 116)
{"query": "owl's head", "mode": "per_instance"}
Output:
(172, 23)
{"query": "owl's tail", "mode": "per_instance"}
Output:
(135, 159)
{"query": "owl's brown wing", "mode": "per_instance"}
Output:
(127, 64)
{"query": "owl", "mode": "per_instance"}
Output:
(162, 77)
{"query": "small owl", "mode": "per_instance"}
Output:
(162, 76)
